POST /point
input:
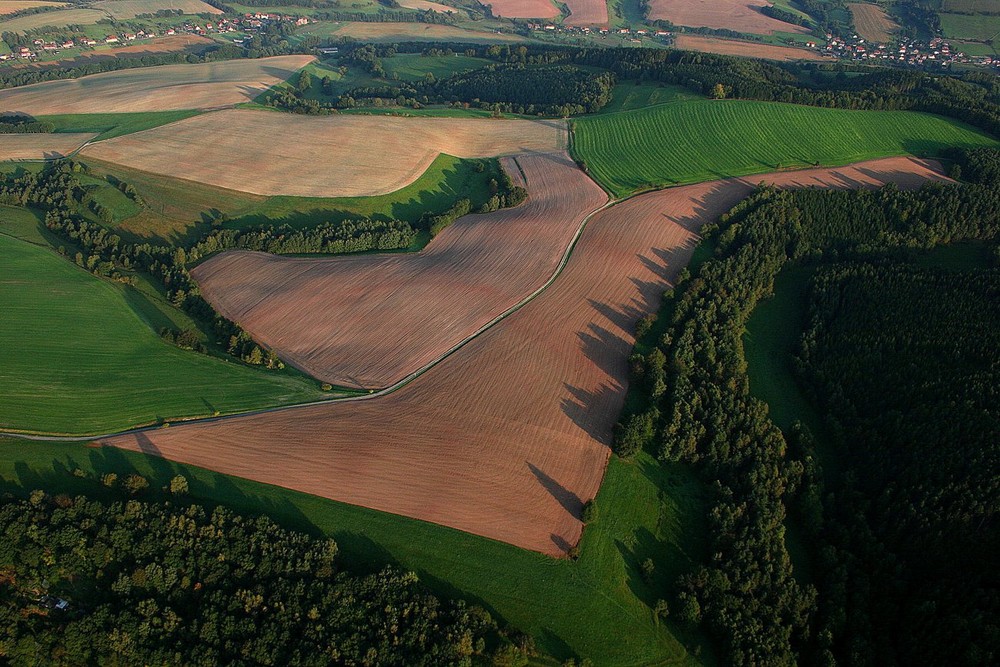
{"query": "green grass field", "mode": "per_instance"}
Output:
(414, 66)
(175, 209)
(975, 28)
(80, 355)
(596, 607)
(702, 140)
(110, 125)
(632, 95)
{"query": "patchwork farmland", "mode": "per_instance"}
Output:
(334, 156)
(368, 322)
(164, 88)
(680, 143)
(508, 437)
(732, 47)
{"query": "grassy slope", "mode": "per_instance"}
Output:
(700, 140)
(110, 125)
(174, 209)
(964, 26)
(109, 370)
(631, 95)
(595, 607)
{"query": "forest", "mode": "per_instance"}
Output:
(140, 581)
(699, 409)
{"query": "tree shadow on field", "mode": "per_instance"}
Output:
(567, 498)
(594, 411)
(607, 350)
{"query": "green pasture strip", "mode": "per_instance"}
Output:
(110, 125)
(596, 607)
(705, 140)
(79, 355)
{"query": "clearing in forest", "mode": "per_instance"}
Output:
(507, 437)
(872, 22)
(343, 155)
(680, 143)
(127, 9)
(369, 321)
(162, 88)
(738, 15)
(40, 146)
(734, 47)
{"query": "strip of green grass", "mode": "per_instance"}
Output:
(110, 125)
(596, 607)
(631, 95)
(76, 358)
(704, 140)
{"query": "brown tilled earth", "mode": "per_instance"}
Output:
(369, 321)
(587, 12)
(386, 32)
(872, 22)
(731, 47)
(163, 88)
(522, 9)
(739, 15)
(345, 155)
(509, 436)
(40, 146)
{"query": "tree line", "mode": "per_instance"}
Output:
(139, 581)
(699, 409)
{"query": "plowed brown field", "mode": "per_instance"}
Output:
(522, 9)
(369, 321)
(739, 15)
(731, 47)
(587, 12)
(345, 155)
(509, 436)
(872, 22)
(40, 146)
(163, 88)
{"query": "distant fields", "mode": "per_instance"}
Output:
(126, 9)
(58, 19)
(79, 354)
(683, 143)
(974, 28)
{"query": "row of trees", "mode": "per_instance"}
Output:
(169, 583)
(700, 409)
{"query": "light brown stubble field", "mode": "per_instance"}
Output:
(40, 146)
(509, 436)
(872, 22)
(127, 9)
(587, 12)
(11, 6)
(368, 321)
(731, 47)
(739, 15)
(344, 155)
(522, 9)
(163, 88)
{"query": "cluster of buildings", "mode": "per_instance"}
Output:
(906, 52)
(636, 35)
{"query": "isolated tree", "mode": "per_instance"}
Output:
(179, 485)
(718, 92)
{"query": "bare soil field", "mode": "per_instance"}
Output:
(40, 146)
(730, 47)
(369, 321)
(164, 88)
(127, 9)
(11, 6)
(58, 19)
(872, 22)
(344, 155)
(424, 5)
(419, 31)
(739, 15)
(587, 12)
(522, 9)
(508, 437)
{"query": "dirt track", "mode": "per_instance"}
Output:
(509, 436)
(369, 321)
(344, 155)
(40, 146)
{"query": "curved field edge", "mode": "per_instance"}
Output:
(677, 144)
(110, 369)
(596, 607)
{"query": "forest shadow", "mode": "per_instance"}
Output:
(580, 408)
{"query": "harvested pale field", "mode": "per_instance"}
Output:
(522, 9)
(424, 5)
(872, 22)
(164, 88)
(57, 19)
(127, 9)
(40, 146)
(388, 32)
(369, 321)
(11, 6)
(739, 15)
(587, 12)
(268, 153)
(730, 47)
(509, 436)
